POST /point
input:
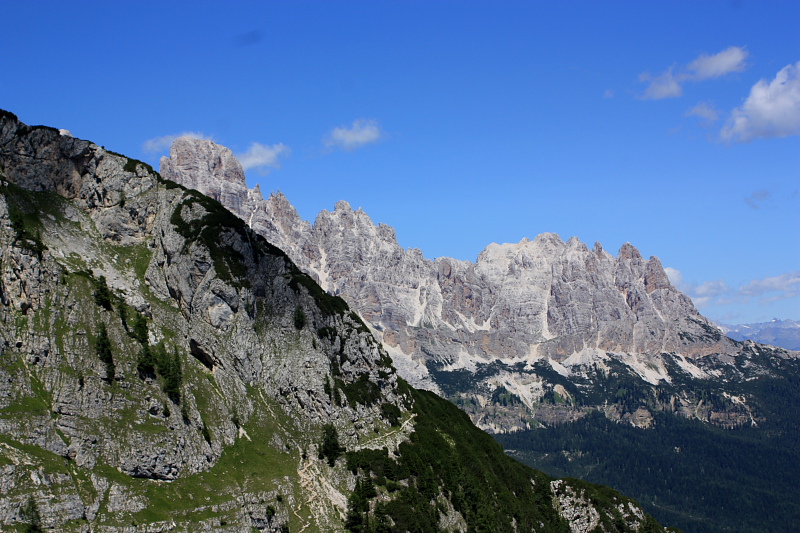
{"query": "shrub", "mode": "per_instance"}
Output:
(102, 294)
(299, 318)
(329, 447)
(391, 413)
(155, 360)
(362, 391)
(31, 517)
(139, 329)
(103, 348)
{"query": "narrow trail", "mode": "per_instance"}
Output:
(387, 436)
(323, 498)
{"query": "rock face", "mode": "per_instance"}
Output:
(164, 368)
(517, 322)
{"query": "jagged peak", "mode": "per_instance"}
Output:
(343, 205)
(628, 251)
(203, 159)
(600, 252)
(548, 238)
(575, 244)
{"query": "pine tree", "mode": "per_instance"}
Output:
(104, 351)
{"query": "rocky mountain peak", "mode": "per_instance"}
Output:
(203, 160)
(628, 252)
(147, 334)
(517, 307)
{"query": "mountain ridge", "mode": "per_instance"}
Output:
(164, 367)
(554, 307)
(777, 332)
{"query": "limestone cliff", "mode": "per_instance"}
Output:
(542, 323)
(162, 367)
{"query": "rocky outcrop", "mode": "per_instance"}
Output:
(164, 368)
(76, 218)
(521, 317)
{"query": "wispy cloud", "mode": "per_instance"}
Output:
(705, 67)
(665, 85)
(669, 84)
(771, 110)
(717, 292)
(261, 157)
(757, 198)
(701, 294)
(708, 291)
(161, 144)
(675, 277)
(773, 288)
(705, 111)
(360, 133)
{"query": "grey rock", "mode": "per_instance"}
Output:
(540, 301)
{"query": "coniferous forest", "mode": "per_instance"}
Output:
(687, 473)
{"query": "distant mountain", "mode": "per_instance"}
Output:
(783, 333)
(540, 338)
(536, 332)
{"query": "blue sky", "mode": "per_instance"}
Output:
(671, 125)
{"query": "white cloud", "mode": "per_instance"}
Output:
(362, 132)
(261, 156)
(669, 84)
(705, 111)
(774, 288)
(662, 86)
(160, 144)
(702, 294)
(675, 277)
(718, 295)
(707, 291)
(771, 110)
(729, 60)
(609, 93)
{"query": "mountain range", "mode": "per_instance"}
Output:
(540, 337)
(783, 333)
(163, 367)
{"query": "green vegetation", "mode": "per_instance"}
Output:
(391, 413)
(209, 230)
(31, 517)
(358, 519)
(299, 318)
(329, 447)
(156, 360)
(741, 480)
(361, 391)
(103, 348)
(102, 294)
(139, 328)
(22, 222)
(490, 490)
(328, 304)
